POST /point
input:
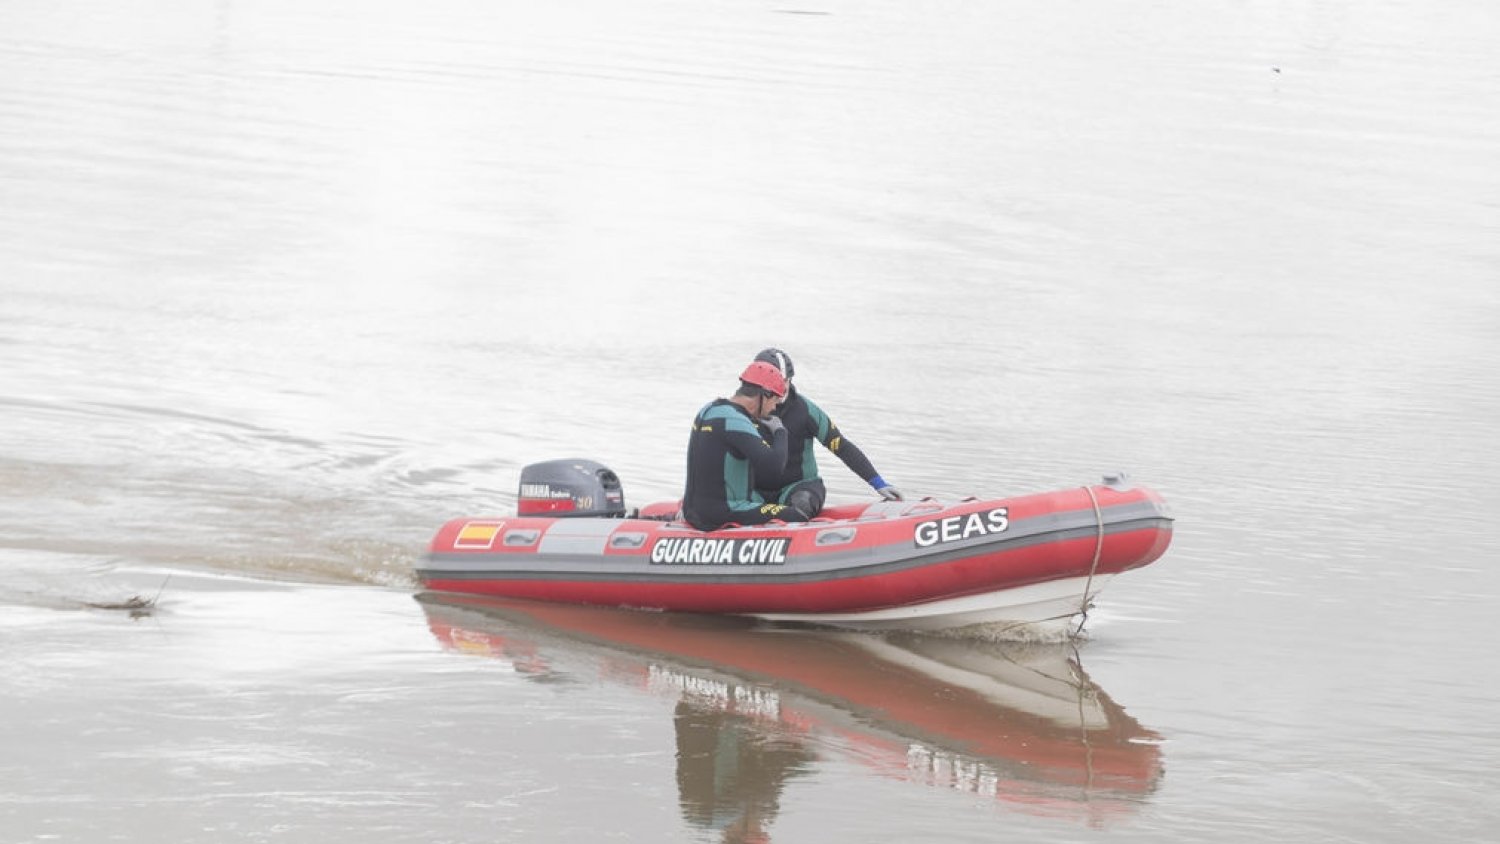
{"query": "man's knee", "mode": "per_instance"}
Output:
(804, 503)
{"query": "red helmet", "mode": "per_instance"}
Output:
(765, 376)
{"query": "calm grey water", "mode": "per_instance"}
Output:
(285, 285)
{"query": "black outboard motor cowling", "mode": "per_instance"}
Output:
(563, 488)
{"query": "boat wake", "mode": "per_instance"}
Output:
(1016, 633)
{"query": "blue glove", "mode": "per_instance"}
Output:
(887, 492)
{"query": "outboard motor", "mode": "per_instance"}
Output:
(570, 488)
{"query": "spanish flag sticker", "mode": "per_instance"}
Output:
(477, 536)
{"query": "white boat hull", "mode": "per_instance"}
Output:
(1043, 610)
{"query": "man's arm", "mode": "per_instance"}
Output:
(745, 440)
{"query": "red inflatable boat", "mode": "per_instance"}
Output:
(1034, 560)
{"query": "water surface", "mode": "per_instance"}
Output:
(283, 286)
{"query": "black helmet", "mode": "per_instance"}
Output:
(779, 359)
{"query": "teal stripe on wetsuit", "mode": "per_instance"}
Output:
(822, 429)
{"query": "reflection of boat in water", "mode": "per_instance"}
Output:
(754, 705)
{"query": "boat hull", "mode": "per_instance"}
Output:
(1035, 560)
(1044, 610)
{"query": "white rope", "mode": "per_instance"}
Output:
(1083, 607)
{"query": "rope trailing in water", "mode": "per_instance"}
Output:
(1083, 607)
(1081, 685)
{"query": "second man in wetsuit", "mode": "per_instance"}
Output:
(797, 483)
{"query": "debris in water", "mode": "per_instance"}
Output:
(137, 606)
(134, 602)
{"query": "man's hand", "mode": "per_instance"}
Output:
(887, 492)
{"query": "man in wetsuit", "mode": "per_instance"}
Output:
(797, 483)
(727, 453)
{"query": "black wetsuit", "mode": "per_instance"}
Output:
(806, 423)
(726, 455)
